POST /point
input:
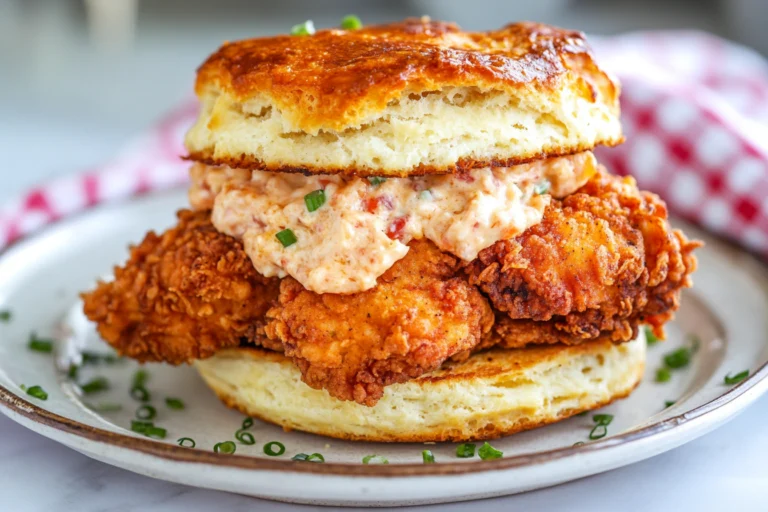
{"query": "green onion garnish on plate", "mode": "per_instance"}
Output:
(245, 437)
(227, 447)
(286, 237)
(174, 403)
(37, 392)
(314, 200)
(663, 374)
(140, 378)
(428, 457)
(247, 423)
(730, 381)
(40, 344)
(488, 452)
(303, 29)
(146, 412)
(303, 457)
(679, 358)
(669, 403)
(186, 442)
(598, 432)
(578, 443)
(148, 429)
(274, 449)
(95, 385)
(465, 450)
(6, 316)
(140, 394)
(603, 419)
(650, 338)
(351, 22)
(375, 459)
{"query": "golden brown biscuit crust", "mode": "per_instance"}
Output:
(335, 78)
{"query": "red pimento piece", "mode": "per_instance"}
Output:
(465, 177)
(371, 204)
(396, 227)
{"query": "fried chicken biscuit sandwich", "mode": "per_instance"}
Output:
(399, 233)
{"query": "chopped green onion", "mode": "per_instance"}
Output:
(245, 437)
(96, 358)
(351, 22)
(286, 237)
(186, 442)
(146, 412)
(376, 181)
(156, 432)
(105, 407)
(247, 423)
(140, 427)
(73, 371)
(669, 403)
(488, 452)
(23, 387)
(542, 187)
(37, 392)
(578, 443)
(428, 457)
(303, 29)
(40, 344)
(375, 459)
(679, 358)
(465, 450)
(148, 429)
(227, 447)
(274, 449)
(425, 195)
(90, 357)
(140, 394)
(303, 457)
(140, 378)
(650, 338)
(95, 385)
(598, 432)
(663, 375)
(736, 378)
(174, 403)
(603, 419)
(5, 316)
(314, 200)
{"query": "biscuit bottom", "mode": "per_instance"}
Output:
(491, 394)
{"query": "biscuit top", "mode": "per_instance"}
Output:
(337, 79)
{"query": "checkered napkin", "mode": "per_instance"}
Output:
(695, 113)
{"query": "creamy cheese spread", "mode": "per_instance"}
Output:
(364, 224)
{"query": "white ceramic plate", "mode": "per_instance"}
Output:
(41, 277)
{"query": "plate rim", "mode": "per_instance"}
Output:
(167, 451)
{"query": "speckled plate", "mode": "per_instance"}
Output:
(39, 282)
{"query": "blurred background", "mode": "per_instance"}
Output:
(79, 77)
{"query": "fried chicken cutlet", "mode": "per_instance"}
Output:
(183, 295)
(603, 261)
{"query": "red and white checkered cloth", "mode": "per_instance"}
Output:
(695, 113)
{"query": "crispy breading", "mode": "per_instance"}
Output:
(603, 260)
(182, 295)
(422, 312)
